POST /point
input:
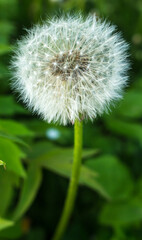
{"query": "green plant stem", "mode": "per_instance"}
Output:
(73, 186)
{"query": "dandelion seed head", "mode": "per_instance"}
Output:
(70, 68)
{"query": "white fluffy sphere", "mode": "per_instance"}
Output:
(70, 68)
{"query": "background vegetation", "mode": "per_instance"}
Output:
(38, 155)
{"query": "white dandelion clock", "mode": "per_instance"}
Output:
(70, 68)
(67, 70)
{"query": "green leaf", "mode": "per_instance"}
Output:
(9, 107)
(120, 214)
(40, 148)
(4, 48)
(131, 105)
(6, 184)
(123, 128)
(65, 154)
(112, 175)
(6, 29)
(38, 127)
(138, 83)
(14, 128)
(60, 161)
(2, 163)
(43, 147)
(14, 139)
(29, 190)
(11, 154)
(13, 232)
(4, 78)
(4, 223)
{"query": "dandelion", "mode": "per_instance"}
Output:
(70, 68)
(67, 70)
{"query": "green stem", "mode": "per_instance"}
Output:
(73, 186)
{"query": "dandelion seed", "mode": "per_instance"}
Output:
(65, 67)
(82, 66)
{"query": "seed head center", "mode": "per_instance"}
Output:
(69, 64)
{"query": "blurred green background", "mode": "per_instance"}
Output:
(38, 155)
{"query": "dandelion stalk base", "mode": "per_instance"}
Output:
(73, 186)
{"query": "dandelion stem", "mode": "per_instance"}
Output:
(73, 186)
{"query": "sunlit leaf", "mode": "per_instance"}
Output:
(4, 223)
(3, 164)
